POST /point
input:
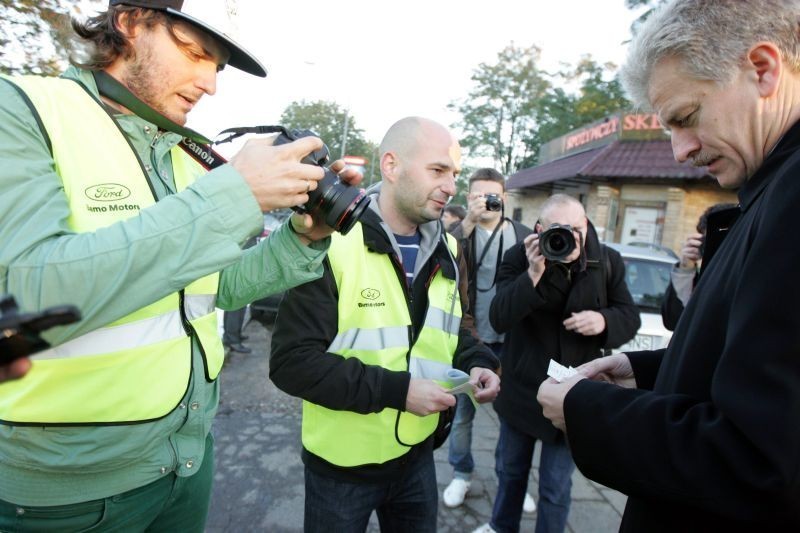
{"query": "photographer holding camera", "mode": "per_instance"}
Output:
(560, 295)
(686, 273)
(107, 203)
(484, 235)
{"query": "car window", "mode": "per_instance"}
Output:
(647, 281)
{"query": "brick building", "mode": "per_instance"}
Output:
(623, 171)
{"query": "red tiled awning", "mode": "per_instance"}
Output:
(620, 159)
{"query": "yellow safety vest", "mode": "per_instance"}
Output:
(137, 368)
(375, 326)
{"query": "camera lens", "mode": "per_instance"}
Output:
(493, 202)
(340, 205)
(557, 243)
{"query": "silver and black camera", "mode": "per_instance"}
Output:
(557, 242)
(493, 202)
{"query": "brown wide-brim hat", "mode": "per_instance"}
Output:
(239, 57)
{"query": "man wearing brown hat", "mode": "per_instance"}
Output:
(109, 203)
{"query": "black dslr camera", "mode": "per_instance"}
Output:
(19, 333)
(340, 205)
(557, 242)
(493, 202)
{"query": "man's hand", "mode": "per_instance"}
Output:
(485, 384)
(536, 263)
(614, 369)
(275, 174)
(551, 397)
(426, 397)
(313, 228)
(690, 253)
(15, 369)
(586, 323)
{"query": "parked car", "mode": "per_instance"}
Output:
(647, 273)
(265, 309)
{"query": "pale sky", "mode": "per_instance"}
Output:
(385, 60)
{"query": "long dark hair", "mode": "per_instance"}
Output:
(105, 43)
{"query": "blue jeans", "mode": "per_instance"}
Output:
(407, 504)
(460, 449)
(512, 465)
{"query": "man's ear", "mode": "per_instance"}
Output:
(767, 64)
(390, 167)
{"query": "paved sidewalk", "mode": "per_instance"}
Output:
(258, 484)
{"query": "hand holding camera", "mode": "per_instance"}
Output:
(692, 251)
(536, 261)
(287, 171)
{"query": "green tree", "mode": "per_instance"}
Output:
(35, 36)
(327, 119)
(501, 110)
(597, 96)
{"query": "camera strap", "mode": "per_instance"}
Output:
(498, 259)
(193, 143)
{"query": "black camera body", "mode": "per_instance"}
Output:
(19, 332)
(557, 242)
(493, 202)
(339, 204)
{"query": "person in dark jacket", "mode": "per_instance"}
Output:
(704, 436)
(570, 311)
(686, 273)
(452, 215)
(368, 346)
(485, 235)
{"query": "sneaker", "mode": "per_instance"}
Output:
(455, 492)
(240, 348)
(485, 528)
(529, 505)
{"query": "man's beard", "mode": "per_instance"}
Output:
(142, 80)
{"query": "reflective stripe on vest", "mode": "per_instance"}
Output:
(138, 367)
(374, 326)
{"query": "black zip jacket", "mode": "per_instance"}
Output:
(307, 323)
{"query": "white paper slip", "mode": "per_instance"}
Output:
(559, 372)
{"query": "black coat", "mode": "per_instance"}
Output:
(532, 320)
(711, 439)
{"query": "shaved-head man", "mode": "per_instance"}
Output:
(369, 346)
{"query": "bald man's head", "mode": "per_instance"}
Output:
(420, 160)
(405, 135)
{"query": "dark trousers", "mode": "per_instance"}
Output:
(407, 504)
(460, 448)
(512, 465)
(233, 321)
(169, 504)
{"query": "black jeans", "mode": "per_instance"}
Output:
(406, 504)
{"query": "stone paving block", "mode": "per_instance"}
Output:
(616, 499)
(259, 482)
(582, 489)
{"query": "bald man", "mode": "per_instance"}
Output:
(369, 345)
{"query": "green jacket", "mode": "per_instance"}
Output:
(112, 272)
